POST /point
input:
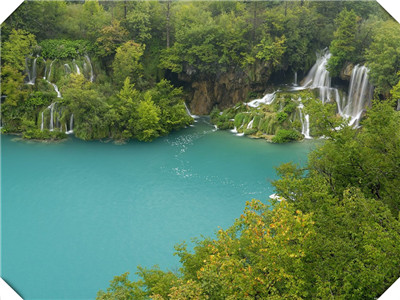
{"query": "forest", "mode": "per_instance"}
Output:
(125, 69)
(137, 70)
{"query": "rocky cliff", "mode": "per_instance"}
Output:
(225, 89)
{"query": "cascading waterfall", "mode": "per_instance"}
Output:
(91, 67)
(305, 122)
(318, 77)
(51, 64)
(31, 75)
(295, 79)
(56, 89)
(360, 95)
(267, 99)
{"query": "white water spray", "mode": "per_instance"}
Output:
(188, 112)
(305, 122)
(360, 95)
(91, 67)
(267, 99)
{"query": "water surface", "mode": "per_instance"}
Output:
(75, 214)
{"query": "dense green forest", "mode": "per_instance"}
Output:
(123, 69)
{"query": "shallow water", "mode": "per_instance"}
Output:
(75, 214)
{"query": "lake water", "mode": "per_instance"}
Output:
(74, 214)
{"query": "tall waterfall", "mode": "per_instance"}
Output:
(31, 74)
(45, 68)
(71, 125)
(91, 67)
(318, 77)
(305, 122)
(360, 95)
(295, 79)
(41, 125)
(51, 124)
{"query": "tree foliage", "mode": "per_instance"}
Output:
(343, 45)
(334, 234)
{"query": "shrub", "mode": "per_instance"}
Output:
(285, 136)
(37, 134)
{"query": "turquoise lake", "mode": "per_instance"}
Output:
(74, 214)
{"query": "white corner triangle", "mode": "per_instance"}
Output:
(392, 7)
(6, 9)
(7, 293)
(392, 293)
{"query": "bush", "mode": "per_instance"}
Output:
(281, 116)
(37, 134)
(285, 136)
(64, 48)
(250, 131)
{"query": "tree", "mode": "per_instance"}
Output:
(344, 43)
(112, 36)
(147, 126)
(383, 57)
(17, 48)
(92, 116)
(127, 62)
(125, 111)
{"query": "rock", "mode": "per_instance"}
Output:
(345, 73)
(224, 91)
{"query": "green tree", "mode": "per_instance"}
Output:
(344, 43)
(17, 48)
(92, 115)
(383, 56)
(112, 36)
(127, 62)
(147, 126)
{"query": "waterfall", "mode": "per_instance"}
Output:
(234, 130)
(67, 69)
(71, 125)
(267, 99)
(51, 107)
(250, 125)
(41, 125)
(45, 69)
(360, 95)
(31, 75)
(91, 68)
(295, 79)
(78, 71)
(51, 64)
(56, 89)
(318, 77)
(305, 122)
(188, 112)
